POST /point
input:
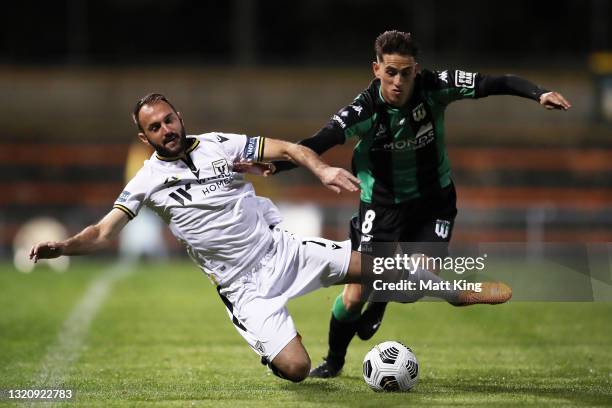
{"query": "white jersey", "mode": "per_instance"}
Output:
(211, 209)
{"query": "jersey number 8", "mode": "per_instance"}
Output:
(368, 221)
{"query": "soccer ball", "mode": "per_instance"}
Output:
(390, 366)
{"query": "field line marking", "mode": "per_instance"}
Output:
(71, 336)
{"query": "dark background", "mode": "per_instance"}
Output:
(560, 32)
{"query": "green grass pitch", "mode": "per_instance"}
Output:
(161, 337)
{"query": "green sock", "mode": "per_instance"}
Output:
(340, 312)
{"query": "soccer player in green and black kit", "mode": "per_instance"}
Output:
(407, 194)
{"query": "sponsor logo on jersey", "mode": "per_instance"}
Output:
(220, 167)
(442, 228)
(464, 79)
(424, 136)
(443, 76)
(123, 196)
(182, 195)
(357, 109)
(344, 113)
(339, 120)
(250, 149)
(221, 139)
(419, 113)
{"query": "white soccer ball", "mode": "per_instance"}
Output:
(390, 366)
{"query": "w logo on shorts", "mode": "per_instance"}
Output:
(442, 228)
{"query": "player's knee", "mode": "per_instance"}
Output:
(297, 370)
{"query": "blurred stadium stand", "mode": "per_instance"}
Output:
(263, 67)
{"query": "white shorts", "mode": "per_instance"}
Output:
(256, 300)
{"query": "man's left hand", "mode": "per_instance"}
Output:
(554, 100)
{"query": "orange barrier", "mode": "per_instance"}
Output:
(468, 159)
(24, 193)
(511, 158)
(479, 197)
(74, 154)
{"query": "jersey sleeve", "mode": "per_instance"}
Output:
(242, 147)
(133, 196)
(451, 85)
(354, 120)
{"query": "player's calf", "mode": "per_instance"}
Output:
(352, 298)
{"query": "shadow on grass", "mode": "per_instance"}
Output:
(322, 386)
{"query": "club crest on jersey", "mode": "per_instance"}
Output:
(464, 79)
(419, 113)
(220, 167)
(442, 228)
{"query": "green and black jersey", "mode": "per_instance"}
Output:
(401, 153)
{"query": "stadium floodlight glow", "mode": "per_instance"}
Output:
(38, 230)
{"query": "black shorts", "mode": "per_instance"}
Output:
(427, 223)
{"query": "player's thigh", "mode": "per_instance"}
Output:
(354, 273)
(430, 238)
(375, 224)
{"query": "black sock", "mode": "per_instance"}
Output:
(340, 335)
(375, 307)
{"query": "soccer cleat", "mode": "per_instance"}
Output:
(371, 320)
(325, 370)
(491, 293)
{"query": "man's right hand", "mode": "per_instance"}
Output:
(258, 169)
(46, 250)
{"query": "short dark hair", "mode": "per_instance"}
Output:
(395, 42)
(150, 99)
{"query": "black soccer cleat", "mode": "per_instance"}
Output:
(370, 320)
(326, 369)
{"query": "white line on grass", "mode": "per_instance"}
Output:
(67, 348)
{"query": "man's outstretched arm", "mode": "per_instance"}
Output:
(326, 138)
(334, 178)
(91, 239)
(515, 85)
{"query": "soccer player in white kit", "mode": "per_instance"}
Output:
(230, 232)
